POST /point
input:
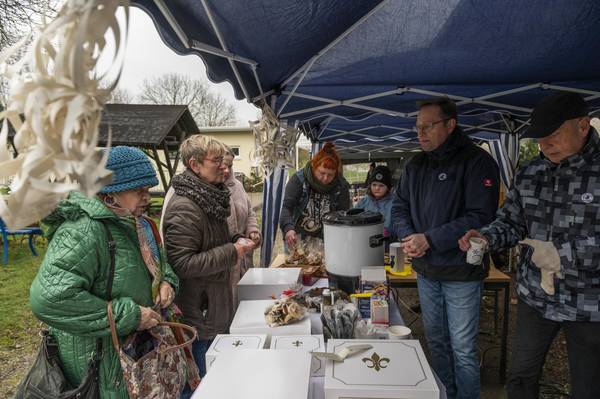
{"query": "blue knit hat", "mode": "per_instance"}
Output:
(131, 169)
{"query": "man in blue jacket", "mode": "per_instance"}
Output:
(449, 188)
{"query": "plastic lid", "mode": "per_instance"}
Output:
(353, 217)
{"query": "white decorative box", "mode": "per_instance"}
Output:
(267, 283)
(257, 374)
(250, 319)
(306, 343)
(227, 343)
(391, 369)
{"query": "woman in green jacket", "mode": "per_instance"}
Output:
(70, 291)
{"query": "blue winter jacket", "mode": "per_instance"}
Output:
(443, 194)
(383, 206)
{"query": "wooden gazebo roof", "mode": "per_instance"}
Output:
(150, 127)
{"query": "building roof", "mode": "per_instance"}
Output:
(225, 129)
(145, 125)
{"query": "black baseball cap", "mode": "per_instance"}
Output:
(552, 112)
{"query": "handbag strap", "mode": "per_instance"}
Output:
(113, 328)
(112, 251)
(115, 337)
(191, 330)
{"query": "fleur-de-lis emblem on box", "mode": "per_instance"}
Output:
(376, 362)
(297, 343)
(237, 343)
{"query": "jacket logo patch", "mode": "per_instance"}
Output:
(587, 197)
(442, 176)
(487, 182)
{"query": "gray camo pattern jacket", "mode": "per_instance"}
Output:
(558, 203)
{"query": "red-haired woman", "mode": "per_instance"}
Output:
(312, 193)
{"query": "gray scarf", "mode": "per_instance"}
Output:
(213, 199)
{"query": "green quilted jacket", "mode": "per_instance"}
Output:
(69, 292)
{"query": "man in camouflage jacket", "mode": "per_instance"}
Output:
(555, 203)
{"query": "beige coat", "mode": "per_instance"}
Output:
(241, 221)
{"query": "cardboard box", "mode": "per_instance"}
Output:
(267, 283)
(257, 374)
(374, 279)
(250, 319)
(305, 343)
(227, 343)
(391, 369)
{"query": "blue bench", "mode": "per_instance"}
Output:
(28, 231)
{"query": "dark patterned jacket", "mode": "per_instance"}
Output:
(558, 203)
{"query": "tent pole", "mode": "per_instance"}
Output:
(258, 84)
(287, 99)
(224, 46)
(207, 48)
(194, 44)
(571, 89)
(303, 111)
(172, 22)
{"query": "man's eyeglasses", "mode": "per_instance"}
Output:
(426, 127)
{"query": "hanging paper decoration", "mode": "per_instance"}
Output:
(54, 106)
(275, 141)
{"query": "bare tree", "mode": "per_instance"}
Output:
(208, 109)
(19, 17)
(217, 111)
(120, 96)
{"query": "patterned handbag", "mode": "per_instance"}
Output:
(153, 364)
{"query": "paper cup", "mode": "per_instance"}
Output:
(399, 332)
(396, 258)
(475, 253)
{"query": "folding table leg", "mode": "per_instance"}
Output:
(34, 253)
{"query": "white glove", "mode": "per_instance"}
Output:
(546, 257)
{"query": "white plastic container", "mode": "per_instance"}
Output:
(391, 369)
(250, 319)
(305, 343)
(348, 237)
(257, 374)
(229, 343)
(267, 283)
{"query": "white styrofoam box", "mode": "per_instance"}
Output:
(257, 374)
(227, 343)
(250, 319)
(306, 343)
(391, 369)
(267, 283)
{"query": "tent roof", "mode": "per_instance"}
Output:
(339, 66)
(144, 125)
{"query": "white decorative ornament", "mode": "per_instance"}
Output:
(275, 141)
(54, 105)
(378, 176)
(587, 198)
(442, 176)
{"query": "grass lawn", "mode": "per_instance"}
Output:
(19, 332)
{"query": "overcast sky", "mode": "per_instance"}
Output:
(147, 56)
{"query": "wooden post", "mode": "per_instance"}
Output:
(160, 169)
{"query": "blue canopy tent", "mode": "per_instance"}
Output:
(350, 71)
